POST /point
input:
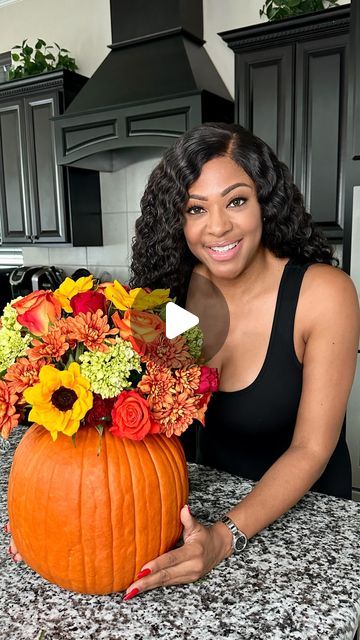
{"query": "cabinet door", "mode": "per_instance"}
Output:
(14, 200)
(320, 129)
(46, 178)
(354, 79)
(264, 97)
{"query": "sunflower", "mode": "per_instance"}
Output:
(60, 399)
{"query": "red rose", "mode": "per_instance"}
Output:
(131, 417)
(209, 380)
(100, 413)
(88, 301)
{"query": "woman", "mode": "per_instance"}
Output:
(278, 417)
(221, 205)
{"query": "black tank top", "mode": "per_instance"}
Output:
(246, 431)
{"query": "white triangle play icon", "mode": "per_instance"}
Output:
(178, 320)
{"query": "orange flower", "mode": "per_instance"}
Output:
(157, 384)
(140, 325)
(92, 329)
(173, 354)
(177, 418)
(202, 405)
(8, 416)
(187, 379)
(37, 310)
(51, 346)
(131, 417)
(23, 374)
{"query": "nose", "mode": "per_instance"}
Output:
(218, 222)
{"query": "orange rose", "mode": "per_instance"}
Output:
(131, 417)
(37, 310)
(142, 326)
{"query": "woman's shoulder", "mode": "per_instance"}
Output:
(327, 293)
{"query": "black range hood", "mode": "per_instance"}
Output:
(156, 83)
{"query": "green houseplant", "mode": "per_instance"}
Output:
(278, 9)
(39, 59)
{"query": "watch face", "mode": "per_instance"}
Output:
(240, 543)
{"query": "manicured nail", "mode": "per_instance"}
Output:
(9, 551)
(6, 528)
(143, 573)
(14, 559)
(131, 594)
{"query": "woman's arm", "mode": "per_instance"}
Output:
(332, 336)
(331, 312)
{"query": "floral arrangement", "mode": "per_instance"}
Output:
(92, 355)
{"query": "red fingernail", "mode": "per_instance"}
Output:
(9, 551)
(143, 573)
(131, 594)
(6, 528)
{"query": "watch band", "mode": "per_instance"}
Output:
(239, 537)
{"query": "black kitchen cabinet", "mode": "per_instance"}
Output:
(291, 90)
(41, 202)
(355, 79)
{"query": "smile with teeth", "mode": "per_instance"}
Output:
(225, 248)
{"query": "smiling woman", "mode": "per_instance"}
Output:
(220, 205)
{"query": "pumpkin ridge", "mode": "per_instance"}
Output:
(146, 443)
(177, 462)
(106, 453)
(165, 446)
(131, 449)
(150, 441)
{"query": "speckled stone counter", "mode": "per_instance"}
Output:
(298, 579)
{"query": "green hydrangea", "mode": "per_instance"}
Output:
(12, 343)
(108, 373)
(194, 340)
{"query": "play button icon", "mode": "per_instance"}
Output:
(178, 320)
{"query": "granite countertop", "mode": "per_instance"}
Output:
(297, 579)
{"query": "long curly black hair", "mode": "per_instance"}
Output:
(160, 255)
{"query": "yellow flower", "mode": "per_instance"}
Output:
(138, 298)
(69, 288)
(60, 399)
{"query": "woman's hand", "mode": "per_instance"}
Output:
(12, 549)
(203, 549)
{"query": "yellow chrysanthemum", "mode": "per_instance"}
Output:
(60, 399)
(69, 288)
(138, 298)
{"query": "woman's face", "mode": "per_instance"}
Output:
(223, 210)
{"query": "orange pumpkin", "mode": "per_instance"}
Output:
(89, 523)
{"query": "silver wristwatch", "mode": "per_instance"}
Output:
(239, 538)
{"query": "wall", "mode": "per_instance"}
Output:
(83, 27)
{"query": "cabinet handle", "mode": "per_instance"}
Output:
(34, 237)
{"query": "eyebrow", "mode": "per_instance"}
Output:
(223, 193)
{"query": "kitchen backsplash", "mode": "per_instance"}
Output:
(120, 194)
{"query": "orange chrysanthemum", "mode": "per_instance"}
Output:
(23, 374)
(92, 329)
(157, 384)
(173, 354)
(187, 379)
(8, 416)
(51, 347)
(177, 418)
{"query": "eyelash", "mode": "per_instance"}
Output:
(192, 209)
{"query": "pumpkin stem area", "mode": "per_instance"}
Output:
(63, 398)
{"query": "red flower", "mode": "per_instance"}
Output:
(209, 380)
(131, 417)
(88, 301)
(100, 413)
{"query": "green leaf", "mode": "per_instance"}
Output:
(57, 45)
(28, 50)
(15, 56)
(293, 3)
(49, 56)
(73, 438)
(65, 50)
